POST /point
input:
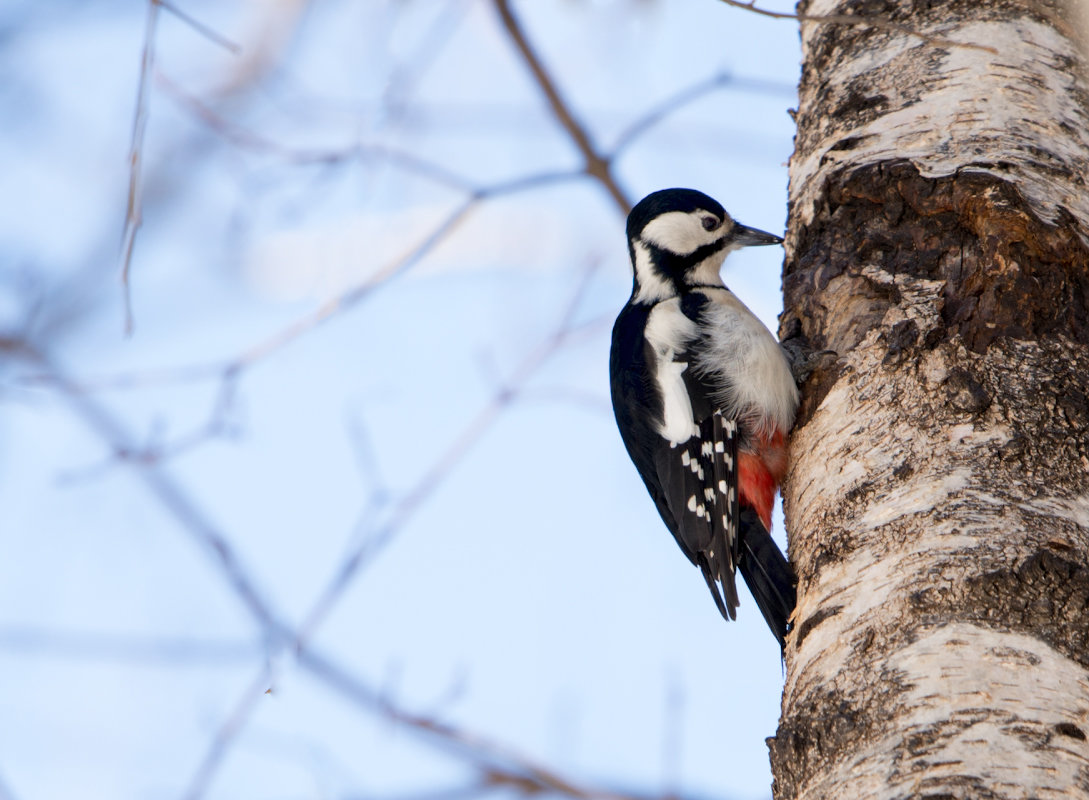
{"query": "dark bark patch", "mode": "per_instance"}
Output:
(849, 143)
(966, 393)
(901, 339)
(812, 621)
(858, 491)
(1007, 273)
(825, 724)
(1071, 730)
(1046, 596)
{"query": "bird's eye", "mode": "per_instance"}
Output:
(710, 223)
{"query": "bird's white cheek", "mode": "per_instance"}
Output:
(677, 232)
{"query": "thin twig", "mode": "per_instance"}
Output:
(596, 166)
(134, 212)
(882, 23)
(204, 30)
(218, 425)
(254, 141)
(426, 52)
(412, 501)
(501, 765)
(228, 731)
(403, 511)
(468, 791)
(233, 368)
(185, 511)
(354, 296)
(688, 95)
(667, 107)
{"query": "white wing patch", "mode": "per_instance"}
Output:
(669, 331)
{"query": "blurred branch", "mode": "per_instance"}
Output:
(134, 212)
(232, 369)
(204, 30)
(407, 506)
(412, 501)
(254, 141)
(163, 487)
(366, 456)
(403, 76)
(499, 766)
(473, 789)
(868, 20)
(667, 107)
(228, 731)
(682, 98)
(596, 165)
(496, 768)
(218, 425)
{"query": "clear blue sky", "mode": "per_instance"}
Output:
(528, 591)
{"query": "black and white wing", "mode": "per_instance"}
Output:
(685, 449)
(699, 481)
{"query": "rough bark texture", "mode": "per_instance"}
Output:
(938, 502)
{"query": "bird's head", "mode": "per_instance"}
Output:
(678, 239)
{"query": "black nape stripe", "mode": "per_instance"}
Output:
(674, 267)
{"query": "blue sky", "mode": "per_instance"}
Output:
(527, 589)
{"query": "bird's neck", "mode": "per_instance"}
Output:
(660, 275)
(706, 273)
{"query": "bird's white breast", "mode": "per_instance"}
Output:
(745, 363)
(669, 331)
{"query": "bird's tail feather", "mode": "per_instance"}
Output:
(768, 575)
(727, 599)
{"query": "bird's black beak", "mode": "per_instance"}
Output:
(744, 236)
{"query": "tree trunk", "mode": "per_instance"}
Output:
(938, 502)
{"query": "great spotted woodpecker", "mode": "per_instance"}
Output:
(704, 398)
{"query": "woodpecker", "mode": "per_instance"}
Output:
(704, 397)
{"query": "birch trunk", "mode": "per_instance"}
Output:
(938, 502)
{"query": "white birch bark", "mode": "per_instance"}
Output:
(938, 500)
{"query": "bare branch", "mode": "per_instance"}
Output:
(500, 766)
(134, 213)
(402, 512)
(233, 368)
(249, 139)
(218, 425)
(412, 501)
(341, 303)
(204, 30)
(228, 731)
(473, 789)
(183, 508)
(596, 166)
(667, 107)
(871, 21)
